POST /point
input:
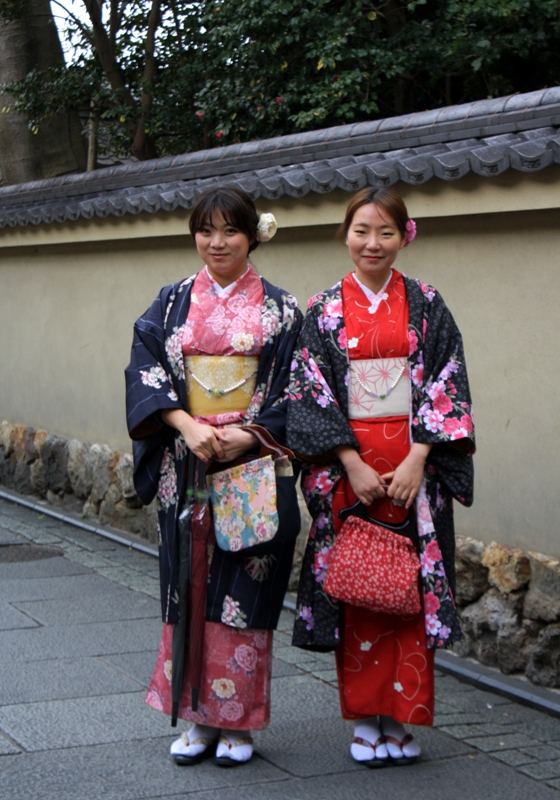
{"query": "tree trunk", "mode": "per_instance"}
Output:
(58, 147)
(395, 13)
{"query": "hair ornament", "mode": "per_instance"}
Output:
(266, 228)
(410, 232)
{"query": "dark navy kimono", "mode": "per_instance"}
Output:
(155, 380)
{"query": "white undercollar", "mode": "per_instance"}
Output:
(223, 291)
(373, 298)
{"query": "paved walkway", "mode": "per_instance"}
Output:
(79, 631)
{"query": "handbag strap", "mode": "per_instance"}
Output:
(359, 510)
(406, 528)
(268, 446)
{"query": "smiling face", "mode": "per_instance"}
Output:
(223, 248)
(373, 241)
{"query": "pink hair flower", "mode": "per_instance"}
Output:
(410, 232)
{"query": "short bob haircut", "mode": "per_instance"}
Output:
(235, 206)
(387, 199)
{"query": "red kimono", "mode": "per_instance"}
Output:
(383, 662)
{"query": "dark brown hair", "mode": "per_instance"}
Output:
(235, 206)
(387, 199)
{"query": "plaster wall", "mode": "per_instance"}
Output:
(68, 300)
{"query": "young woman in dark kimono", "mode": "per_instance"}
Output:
(212, 354)
(380, 412)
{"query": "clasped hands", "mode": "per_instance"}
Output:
(401, 485)
(207, 442)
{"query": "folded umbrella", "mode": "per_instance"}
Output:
(181, 628)
(188, 633)
(200, 526)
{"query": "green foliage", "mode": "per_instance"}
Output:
(236, 70)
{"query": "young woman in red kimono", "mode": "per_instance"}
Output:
(210, 364)
(380, 411)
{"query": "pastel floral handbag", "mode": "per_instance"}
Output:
(256, 502)
(244, 503)
(374, 567)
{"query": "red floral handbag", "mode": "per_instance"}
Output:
(373, 567)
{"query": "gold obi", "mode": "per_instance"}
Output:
(220, 384)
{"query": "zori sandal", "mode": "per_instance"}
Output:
(396, 746)
(379, 756)
(232, 752)
(188, 752)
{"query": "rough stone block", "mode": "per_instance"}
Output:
(124, 471)
(31, 450)
(483, 620)
(37, 476)
(40, 439)
(472, 575)
(545, 574)
(22, 478)
(543, 667)
(122, 516)
(101, 456)
(514, 646)
(18, 441)
(54, 455)
(508, 567)
(79, 468)
(7, 470)
(541, 606)
(107, 507)
(6, 429)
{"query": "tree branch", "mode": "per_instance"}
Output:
(141, 139)
(108, 62)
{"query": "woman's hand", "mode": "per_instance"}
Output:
(364, 480)
(406, 480)
(201, 439)
(234, 442)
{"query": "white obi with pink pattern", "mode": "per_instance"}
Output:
(379, 387)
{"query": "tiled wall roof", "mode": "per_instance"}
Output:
(488, 137)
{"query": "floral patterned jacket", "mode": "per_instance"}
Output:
(441, 414)
(243, 592)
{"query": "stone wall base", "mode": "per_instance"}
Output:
(509, 603)
(508, 600)
(88, 479)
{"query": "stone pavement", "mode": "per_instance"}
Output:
(79, 631)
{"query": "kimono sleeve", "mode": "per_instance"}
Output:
(316, 424)
(272, 414)
(149, 380)
(442, 406)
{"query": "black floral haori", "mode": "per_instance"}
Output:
(242, 591)
(441, 415)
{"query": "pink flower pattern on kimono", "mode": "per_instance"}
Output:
(439, 606)
(318, 479)
(155, 377)
(435, 360)
(167, 487)
(305, 614)
(245, 657)
(232, 613)
(321, 564)
(174, 351)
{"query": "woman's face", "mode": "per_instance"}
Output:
(373, 241)
(223, 249)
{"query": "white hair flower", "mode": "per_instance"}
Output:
(266, 228)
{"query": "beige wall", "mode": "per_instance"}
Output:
(69, 296)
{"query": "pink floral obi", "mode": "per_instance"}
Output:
(222, 342)
(379, 387)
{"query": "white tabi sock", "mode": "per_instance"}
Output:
(397, 731)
